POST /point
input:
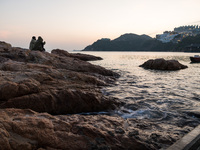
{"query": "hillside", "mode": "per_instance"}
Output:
(134, 42)
(130, 42)
(190, 43)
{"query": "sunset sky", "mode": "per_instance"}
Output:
(74, 24)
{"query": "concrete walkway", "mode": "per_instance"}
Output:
(191, 141)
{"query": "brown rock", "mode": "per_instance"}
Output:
(59, 60)
(84, 57)
(162, 64)
(58, 85)
(45, 89)
(51, 83)
(60, 52)
(62, 101)
(4, 46)
(26, 129)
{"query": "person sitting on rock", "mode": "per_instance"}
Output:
(39, 45)
(32, 43)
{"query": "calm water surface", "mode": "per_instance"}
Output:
(155, 95)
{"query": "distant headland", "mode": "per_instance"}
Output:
(181, 39)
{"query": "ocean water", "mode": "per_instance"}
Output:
(167, 96)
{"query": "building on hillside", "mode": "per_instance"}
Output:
(178, 34)
(190, 28)
(166, 37)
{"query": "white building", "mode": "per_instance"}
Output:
(165, 37)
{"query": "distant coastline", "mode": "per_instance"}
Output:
(170, 41)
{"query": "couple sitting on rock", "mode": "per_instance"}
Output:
(37, 44)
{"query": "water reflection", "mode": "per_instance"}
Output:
(149, 94)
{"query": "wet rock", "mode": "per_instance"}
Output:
(162, 64)
(26, 129)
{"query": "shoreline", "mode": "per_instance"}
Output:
(38, 92)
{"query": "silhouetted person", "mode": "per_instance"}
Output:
(39, 45)
(32, 43)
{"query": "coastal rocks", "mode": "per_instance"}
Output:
(58, 59)
(52, 83)
(64, 101)
(84, 57)
(26, 129)
(162, 64)
(58, 84)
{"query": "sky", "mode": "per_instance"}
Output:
(75, 24)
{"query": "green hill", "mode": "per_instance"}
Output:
(190, 43)
(134, 42)
(130, 42)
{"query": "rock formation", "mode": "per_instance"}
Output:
(53, 83)
(42, 93)
(162, 64)
(28, 130)
(80, 56)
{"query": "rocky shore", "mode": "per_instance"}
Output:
(56, 83)
(42, 94)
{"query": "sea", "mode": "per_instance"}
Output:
(157, 96)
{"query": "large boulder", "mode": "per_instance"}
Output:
(162, 64)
